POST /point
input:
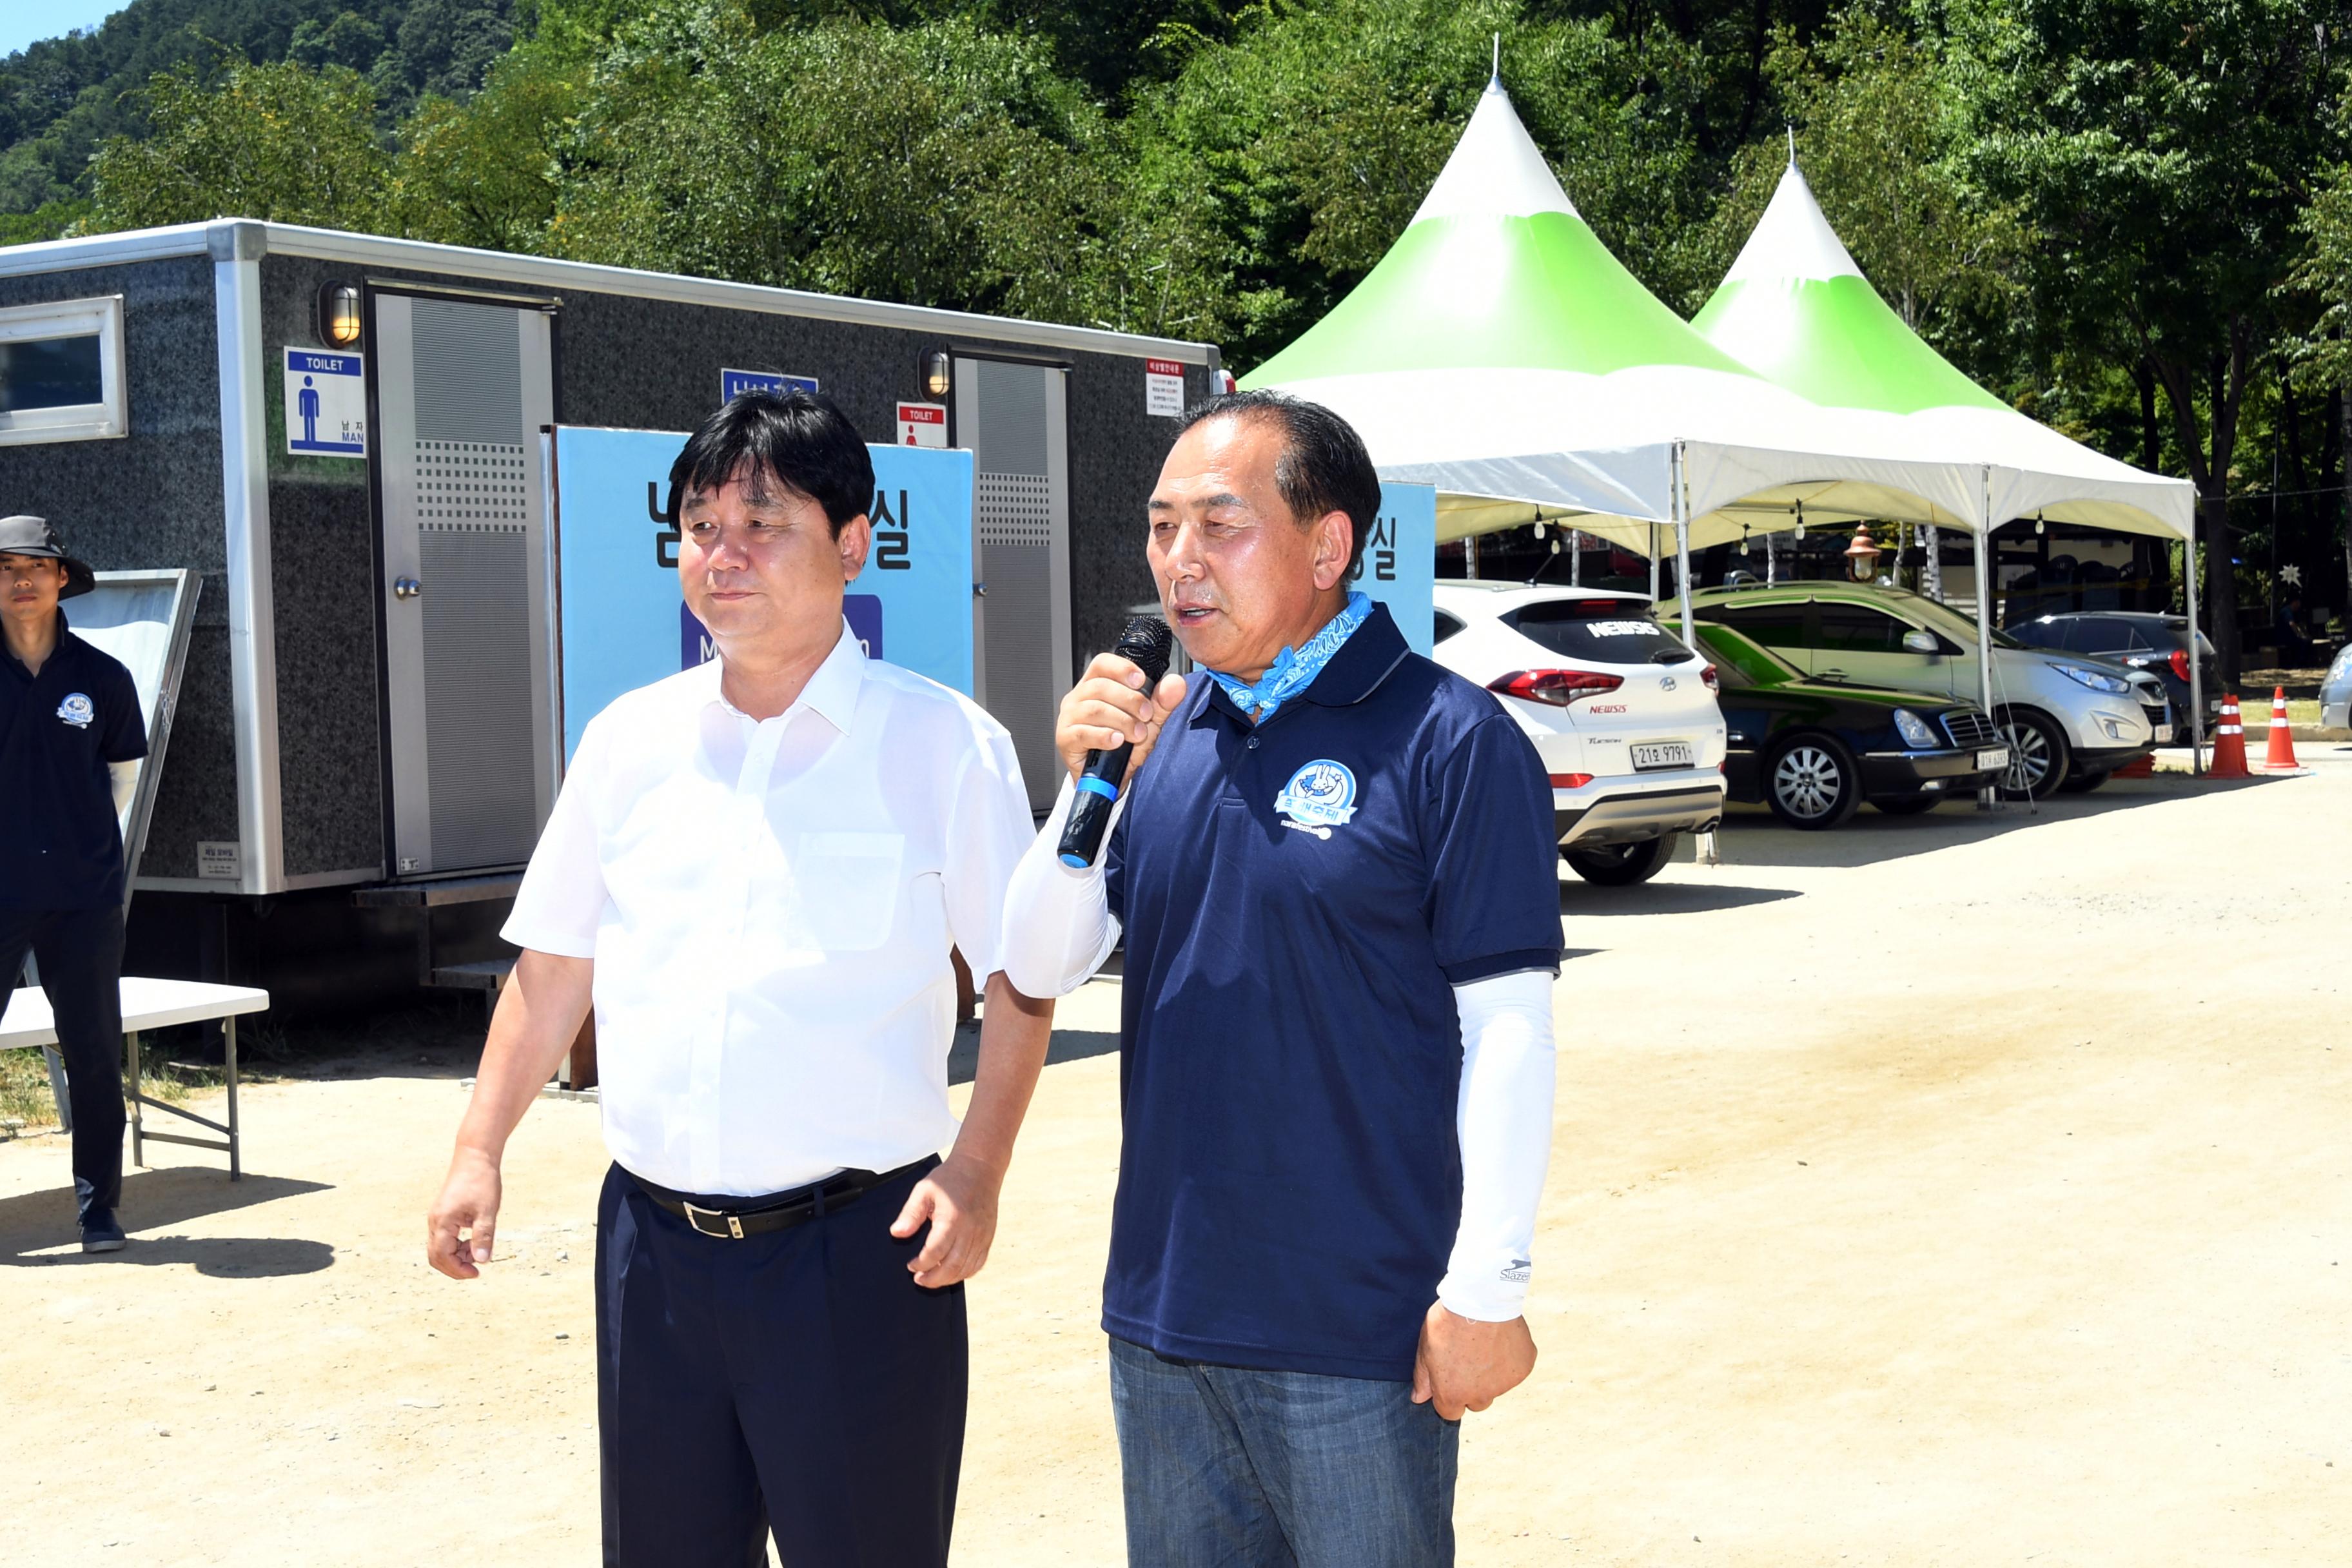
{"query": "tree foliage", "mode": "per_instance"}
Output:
(61, 99)
(2130, 218)
(276, 141)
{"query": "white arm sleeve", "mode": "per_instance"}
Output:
(1057, 923)
(124, 779)
(1504, 1120)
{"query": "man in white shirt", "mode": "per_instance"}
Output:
(756, 868)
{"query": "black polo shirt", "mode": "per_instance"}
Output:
(60, 848)
(1299, 899)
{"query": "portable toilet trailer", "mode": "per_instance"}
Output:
(340, 434)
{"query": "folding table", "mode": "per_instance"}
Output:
(148, 1004)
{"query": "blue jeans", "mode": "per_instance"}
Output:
(1226, 1468)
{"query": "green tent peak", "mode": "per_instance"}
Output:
(1796, 309)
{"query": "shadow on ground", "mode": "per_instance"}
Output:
(1580, 898)
(1752, 837)
(32, 1223)
(1067, 1046)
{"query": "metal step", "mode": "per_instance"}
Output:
(486, 975)
(447, 890)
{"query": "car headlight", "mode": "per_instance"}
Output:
(1914, 730)
(2096, 679)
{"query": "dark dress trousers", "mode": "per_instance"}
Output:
(799, 1381)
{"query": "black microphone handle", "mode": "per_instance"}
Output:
(1098, 786)
(1145, 644)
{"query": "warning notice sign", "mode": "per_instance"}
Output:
(1163, 387)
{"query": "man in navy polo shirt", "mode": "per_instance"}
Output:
(70, 730)
(1339, 890)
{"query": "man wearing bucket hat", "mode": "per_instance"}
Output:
(70, 731)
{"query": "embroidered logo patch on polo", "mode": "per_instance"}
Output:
(1319, 797)
(77, 711)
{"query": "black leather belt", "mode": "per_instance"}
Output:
(745, 1217)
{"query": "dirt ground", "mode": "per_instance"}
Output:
(1960, 1190)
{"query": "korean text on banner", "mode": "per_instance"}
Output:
(1399, 566)
(733, 383)
(326, 404)
(625, 624)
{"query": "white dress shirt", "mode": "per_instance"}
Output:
(770, 905)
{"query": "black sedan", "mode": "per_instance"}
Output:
(1814, 749)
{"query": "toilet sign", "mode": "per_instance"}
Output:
(1163, 387)
(326, 404)
(922, 425)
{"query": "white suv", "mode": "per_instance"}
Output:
(1622, 714)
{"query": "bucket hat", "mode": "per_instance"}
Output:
(23, 535)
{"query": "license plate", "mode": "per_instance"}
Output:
(2163, 732)
(1998, 757)
(1653, 754)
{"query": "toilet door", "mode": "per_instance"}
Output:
(1014, 417)
(462, 389)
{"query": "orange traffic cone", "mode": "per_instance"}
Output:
(2282, 757)
(2228, 743)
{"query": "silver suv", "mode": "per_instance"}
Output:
(2070, 720)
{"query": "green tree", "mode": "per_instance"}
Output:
(940, 165)
(1304, 144)
(1875, 134)
(281, 143)
(2164, 151)
(2322, 355)
(487, 171)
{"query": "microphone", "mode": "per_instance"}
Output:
(1145, 644)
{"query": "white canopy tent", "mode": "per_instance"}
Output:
(1796, 308)
(1499, 352)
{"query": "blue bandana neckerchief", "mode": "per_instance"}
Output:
(1294, 669)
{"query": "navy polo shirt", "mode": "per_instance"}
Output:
(61, 847)
(1299, 899)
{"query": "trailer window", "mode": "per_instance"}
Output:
(61, 371)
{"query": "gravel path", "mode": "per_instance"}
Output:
(1957, 1190)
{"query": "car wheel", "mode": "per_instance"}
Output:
(1907, 805)
(2038, 755)
(1620, 865)
(2084, 783)
(1812, 782)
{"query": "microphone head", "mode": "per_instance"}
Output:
(1146, 644)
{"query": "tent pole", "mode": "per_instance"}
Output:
(1470, 556)
(1991, 793)
(1654, 563)
(2196, 666)
(1575, 559)
(1681, 500)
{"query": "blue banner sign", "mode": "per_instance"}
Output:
(625, 625)
(733, 383)
(1399, 565)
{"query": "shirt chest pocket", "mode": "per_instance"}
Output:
(849, 885)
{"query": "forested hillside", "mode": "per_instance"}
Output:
(62, 97)
(2132, 218)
